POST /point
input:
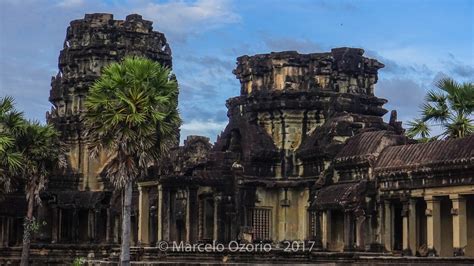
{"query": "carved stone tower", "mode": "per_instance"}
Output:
(92, 43)
(289, 95)
(295, 111)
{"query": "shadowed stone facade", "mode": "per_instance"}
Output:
(306, 156)
(92, 43)
(78, 205)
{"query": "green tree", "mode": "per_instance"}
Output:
(11, 161)
(450, 106)
(132, 115)
(42, 153)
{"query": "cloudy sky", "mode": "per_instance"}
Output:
(418, 41)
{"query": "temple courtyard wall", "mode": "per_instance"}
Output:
(306, 169)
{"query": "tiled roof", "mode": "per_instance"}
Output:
(368, 144)
(431, 154)
(340, 195)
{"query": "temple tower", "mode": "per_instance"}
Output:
(289, 95)
(92, 43)
(294, 113)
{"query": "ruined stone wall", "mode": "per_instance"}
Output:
(342, 70)
(294, 112)
(289, 95)
(92, 43)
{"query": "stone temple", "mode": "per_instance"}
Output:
(306, 157)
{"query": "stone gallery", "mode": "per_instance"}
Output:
(305, 157)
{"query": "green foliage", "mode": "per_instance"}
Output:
(31, 226)
(132, 114)
(42, 152)
(12, 125)
(450, 106)
(79, 261)
(28, 150)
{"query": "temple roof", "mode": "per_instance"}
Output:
(340, 195)
(367, 146)
(426, 155)
(253, 141)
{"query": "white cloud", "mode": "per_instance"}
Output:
(209, 128)
(291, 44)
(180, 19)
(411, 56)
(70, 3)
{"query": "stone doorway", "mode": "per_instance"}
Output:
(446, 227)
(397, 226)
(337, 231)
(421, 225)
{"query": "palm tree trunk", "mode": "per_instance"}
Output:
(126, 210)
(25, 252)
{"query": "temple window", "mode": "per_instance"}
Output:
(261, 223)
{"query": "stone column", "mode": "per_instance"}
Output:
(326, 229)
(217, 217)
(165, 214)
(405, 232)
(4, 242)
(459, 224)
(2, 231)
(387, 225)
(117, 233)
(91, 225)
(159, 225)
(360, 232)
(378, 230)
(433, 225)
(55, 225)
(192, 215)
(412, 230)
(6, 235)
(109, 225)
(44, 234)
(143, 215)
(75, 225)
(318, 231)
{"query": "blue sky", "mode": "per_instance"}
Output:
(418, 41)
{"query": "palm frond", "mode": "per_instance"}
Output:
(438, 113)
(418, 127)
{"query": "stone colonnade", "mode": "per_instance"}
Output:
(433, 225)
(177, 216)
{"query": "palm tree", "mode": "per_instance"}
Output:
(11, 160)
(132, 115)
(451, 107)
(41, 150)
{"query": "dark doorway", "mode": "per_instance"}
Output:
(397, 226)
(83, 225)
(421, 229)
(180, 231)
(208, 225)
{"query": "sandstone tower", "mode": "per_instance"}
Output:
(294, 113)
(92, 43)
(290, 95)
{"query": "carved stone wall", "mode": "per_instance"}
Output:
(288, 96)
(341, 70)
(92, 43)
